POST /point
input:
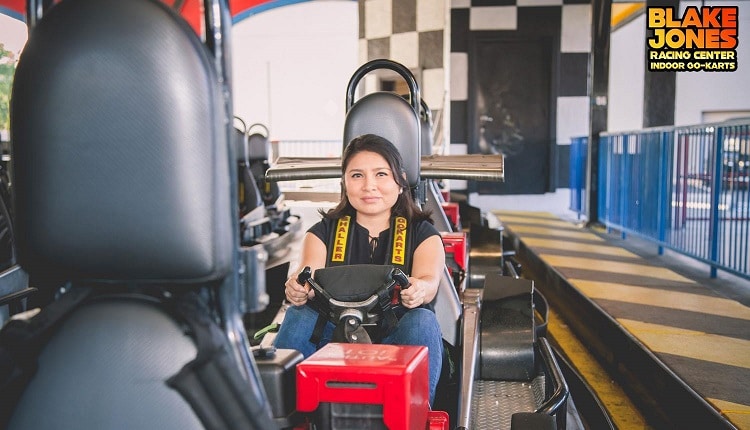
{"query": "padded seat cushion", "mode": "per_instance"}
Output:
(91, 373)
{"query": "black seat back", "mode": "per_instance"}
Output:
(123, 189)
(259, 147)
(390, 116)
(259, 154)
(116, 176)
(249, 194)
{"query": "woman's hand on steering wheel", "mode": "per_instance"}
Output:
(296, 293)
(414, 295)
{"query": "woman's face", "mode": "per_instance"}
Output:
(370, 185)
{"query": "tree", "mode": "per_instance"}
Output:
(7, 69)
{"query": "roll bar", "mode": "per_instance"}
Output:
(368, 67)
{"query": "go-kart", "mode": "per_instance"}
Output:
(264, 216)
(267, 227)
(501, 357)
(493, 337)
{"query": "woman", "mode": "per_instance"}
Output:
(374, 190)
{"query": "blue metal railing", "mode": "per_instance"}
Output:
(578, 154)
(685, 188)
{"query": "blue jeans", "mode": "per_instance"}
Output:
(416, 327)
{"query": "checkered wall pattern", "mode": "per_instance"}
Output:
(413, 32)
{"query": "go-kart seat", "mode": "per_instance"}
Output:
(14, 289)
(250, 195)
(390, 116)
(122, 166)
(259, 154)
(258, 144)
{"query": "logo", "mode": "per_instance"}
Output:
(399, 241)
(702, 39)
(339, 244)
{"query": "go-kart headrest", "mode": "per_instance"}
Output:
(240, 145)
(120, 147)
(259, 147)
(390, 116)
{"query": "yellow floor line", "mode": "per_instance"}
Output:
(525, 214)
(738, 414)
(623, 413)
(662, 298)
(555, 232)
(690, 343)
(556, 223)
(536, 242)
(613, 267)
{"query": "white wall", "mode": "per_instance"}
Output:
(627, 65)
(292, 65)
(13, 34)
(698, 95)
(699, 92)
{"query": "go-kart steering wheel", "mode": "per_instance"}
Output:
(372, 302)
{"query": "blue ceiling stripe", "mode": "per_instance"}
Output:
(13, 14)
(265, 7)
(273, 4)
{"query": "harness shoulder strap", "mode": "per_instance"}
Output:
(340, 242)
(211, 383)
(399, 252)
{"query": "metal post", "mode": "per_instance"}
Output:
(601, 12)
(34, 10)
(715, 199)
(664, 196)
(625, 187)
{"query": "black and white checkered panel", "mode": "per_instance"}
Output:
(469, 16)
(411, 32)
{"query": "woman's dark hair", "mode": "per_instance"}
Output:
(405, 205)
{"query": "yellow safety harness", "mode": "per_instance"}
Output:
(398, 255)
